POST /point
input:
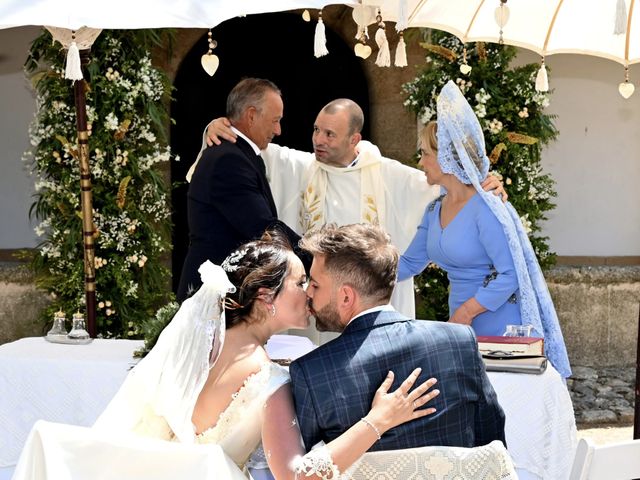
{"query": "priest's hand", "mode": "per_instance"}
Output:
(494, 185)
(218, 129)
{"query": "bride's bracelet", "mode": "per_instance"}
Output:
(372, 426)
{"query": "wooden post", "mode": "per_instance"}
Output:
(636, 410)
(86, 198)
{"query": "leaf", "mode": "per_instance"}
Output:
(122, 192)
(521, 138)
(494, 156)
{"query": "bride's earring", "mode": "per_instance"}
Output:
(273, 310)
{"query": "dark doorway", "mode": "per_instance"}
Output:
(276, 46)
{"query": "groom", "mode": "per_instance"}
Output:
(352, 277)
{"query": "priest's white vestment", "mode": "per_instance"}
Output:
(374, 190)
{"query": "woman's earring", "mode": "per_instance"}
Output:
(273, 310)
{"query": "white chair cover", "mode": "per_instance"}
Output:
(489, 462)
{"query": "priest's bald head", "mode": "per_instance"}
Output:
(336, 132)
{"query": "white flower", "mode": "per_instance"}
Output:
(426, 115)
(508, 181)
(524, 113)
(111, 122)
(495, 126)
(526, 224)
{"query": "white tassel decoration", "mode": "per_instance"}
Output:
(384, 55)
(73, 70)
(401, 53)
(320, 39)
(403, 16)
(621, 18)
(542, 80)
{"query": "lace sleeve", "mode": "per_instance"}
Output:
(283, 445)
(318, 463)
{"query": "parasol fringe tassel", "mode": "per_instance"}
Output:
(403, 16)
(542, 80)
(73, 70)
(384, 55)
(320, 39)
(621, 18)
(401, 53)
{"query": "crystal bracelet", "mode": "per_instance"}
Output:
(372, 426)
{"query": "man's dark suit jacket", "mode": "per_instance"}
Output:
(333, 386)
(229, 203)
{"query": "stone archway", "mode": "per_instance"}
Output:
(276, 46)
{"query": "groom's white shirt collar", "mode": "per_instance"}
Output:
(379, 308)
(247, 139)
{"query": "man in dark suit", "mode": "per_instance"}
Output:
(352, 277)
(229, 199)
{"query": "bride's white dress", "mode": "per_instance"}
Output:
(58, 451)
(146, 430)
(239, 428)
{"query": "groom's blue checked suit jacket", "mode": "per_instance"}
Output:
(334, 385)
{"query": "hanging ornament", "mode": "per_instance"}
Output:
(501, 16)
(306, 16)
(626, 88)
(384, 55)
(73, 70)
(361, 48)
(210, 61)
(620, 26)
(320, 39)
(401, 51)
(464, 68)
(403, 16)
(542, 80)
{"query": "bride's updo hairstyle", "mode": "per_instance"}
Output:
(259, 264)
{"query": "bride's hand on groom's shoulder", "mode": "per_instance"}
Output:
(390, 409)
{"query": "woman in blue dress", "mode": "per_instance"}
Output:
(495, 279)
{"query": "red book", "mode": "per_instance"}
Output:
(517, 345)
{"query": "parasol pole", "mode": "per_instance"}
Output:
(636, 411)
(79, 89)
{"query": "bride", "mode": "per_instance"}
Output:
(208, 380)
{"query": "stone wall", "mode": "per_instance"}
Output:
(20, 303)
(598, 311)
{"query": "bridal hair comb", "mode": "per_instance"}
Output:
(230, 263)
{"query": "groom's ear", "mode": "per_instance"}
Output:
(346, 297)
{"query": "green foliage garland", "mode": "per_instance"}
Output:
(515, 127)
(127, 119)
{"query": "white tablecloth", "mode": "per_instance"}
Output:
(73, 384)
(540, 426)
(60, 383)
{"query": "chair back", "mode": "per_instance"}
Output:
(437, 463)
(618, 461)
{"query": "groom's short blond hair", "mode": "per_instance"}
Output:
(360, 255)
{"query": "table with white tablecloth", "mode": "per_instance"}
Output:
(540, 427)
(73, 384)
(56, 382)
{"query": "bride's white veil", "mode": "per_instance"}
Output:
(159, 394)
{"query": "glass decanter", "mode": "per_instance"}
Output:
(58, 330)
(78, 330)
